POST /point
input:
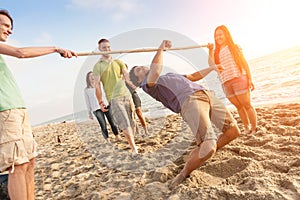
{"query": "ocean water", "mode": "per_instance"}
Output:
(276, 78)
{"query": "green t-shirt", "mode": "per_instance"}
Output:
(10, 95)
(111, 78)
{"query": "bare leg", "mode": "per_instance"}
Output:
(253, 118)
(205, 151)
(196, 158)
(146, 130)
(17, 183)
(228, 136)
(117, 137)
(21, 182)
(30, 180)
(130, 138)
(137, 130)
(142, 119)
(249, 109)
(242, 112)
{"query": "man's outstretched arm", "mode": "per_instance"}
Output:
(30, 52)
(202, 73)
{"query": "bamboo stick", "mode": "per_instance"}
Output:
(138, 50)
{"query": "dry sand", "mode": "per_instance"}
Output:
(82, 166)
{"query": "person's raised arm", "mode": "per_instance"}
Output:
(157, 62)
(211, 57)
(30, 52)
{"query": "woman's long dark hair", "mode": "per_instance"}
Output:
(233, 48)
(88, 83)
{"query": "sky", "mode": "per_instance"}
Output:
(47, 83)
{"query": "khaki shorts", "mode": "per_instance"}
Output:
(206, 116)
(123, 112)
(17, 145)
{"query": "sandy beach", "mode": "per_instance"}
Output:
(74, 162)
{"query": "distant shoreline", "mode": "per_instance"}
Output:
(164, 112)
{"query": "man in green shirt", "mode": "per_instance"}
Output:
(17, 145)
(111, 72)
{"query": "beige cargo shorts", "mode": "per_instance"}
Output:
(17, 145)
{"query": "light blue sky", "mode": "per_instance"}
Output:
(47, 83)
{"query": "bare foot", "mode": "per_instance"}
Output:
(137, 130)
(247, 130)
(135, 151)
(117, 137)
(253, 130)
(176, 181)
(146, 131)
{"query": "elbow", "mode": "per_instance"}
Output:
(190, 77)
(194, 78)
(21, 54)
(154, 76)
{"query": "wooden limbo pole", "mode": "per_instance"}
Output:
(138, 50)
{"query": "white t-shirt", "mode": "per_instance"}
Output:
(91, 100)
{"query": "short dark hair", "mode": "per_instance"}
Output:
(5, 12)
(134, 78)
(103, 40)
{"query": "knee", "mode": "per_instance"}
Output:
(232, 133)
(128, 131)
(206, 152)
(138, 111)
(239, 107)
(237, 104)
(248, 106)
(212, 151)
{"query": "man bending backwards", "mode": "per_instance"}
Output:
(200, 109)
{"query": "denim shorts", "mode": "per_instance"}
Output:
(17, 145)
(236, 86)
